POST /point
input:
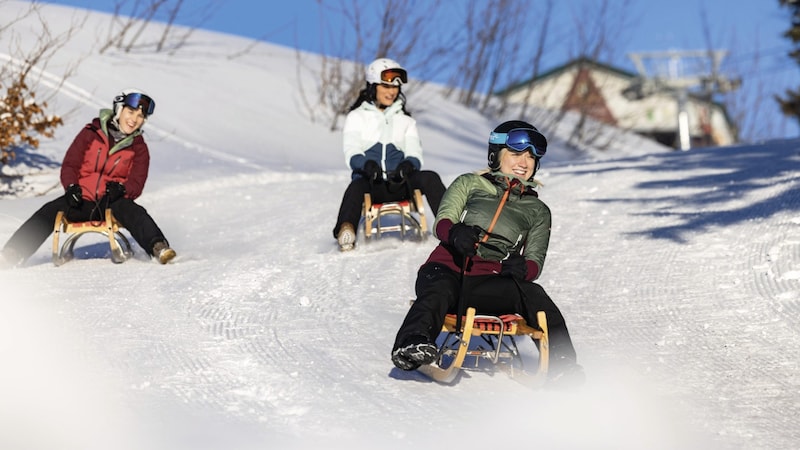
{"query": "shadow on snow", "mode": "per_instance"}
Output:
(739, 171)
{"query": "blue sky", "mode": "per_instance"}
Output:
(747, 28)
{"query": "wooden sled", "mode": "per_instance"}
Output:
(492, 330)
(409, 213)
(120, 246)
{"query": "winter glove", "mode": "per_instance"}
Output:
(114, 191)
(404, 170)
(514, 266)
(372, 170)
(74, 195)
(463, 238)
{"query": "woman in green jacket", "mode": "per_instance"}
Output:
(494, 233)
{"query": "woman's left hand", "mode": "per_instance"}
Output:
(404, 170)
(514, 266)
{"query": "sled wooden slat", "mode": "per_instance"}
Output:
(71, 231)
(411, 214)
(492, 327)
(448, 375)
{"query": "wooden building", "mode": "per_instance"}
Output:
(617, 97)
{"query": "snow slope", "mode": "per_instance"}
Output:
(678, 273)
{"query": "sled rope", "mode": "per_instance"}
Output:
(497, 213)
(462, 305)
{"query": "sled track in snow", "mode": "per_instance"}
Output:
(776, 268)
(696, 335)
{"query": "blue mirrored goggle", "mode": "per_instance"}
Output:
(137, 100)
(521, 139)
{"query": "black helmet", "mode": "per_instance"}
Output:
(134, 98)
(516, 135)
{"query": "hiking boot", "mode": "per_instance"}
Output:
(416, 352)
(162, 251)
(346, 237)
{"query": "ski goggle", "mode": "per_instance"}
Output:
(137, 100)
(391, 75)
(521, 139)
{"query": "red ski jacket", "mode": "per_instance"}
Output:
(93, 159)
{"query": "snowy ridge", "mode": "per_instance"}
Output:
(678, 273)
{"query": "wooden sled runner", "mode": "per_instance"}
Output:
(120, 246)
(409, 213)
(491, 330)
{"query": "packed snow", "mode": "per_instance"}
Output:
(678, 274)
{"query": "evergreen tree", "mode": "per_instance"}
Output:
(790, 104)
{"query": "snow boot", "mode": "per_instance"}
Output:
(162, 251)
(346, 237)
(415, 352)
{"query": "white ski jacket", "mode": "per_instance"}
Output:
(387, 137)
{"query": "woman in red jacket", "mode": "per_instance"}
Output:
(105, 167)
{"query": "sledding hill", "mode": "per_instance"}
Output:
(678, 273)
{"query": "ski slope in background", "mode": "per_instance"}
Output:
(678, 273)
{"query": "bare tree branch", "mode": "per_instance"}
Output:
(128, 32)
(396, 29)
(24, 118)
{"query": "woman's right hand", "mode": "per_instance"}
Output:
(464, 238)
(74, 195)
(372, 171)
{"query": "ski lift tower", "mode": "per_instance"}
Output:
(677, 72)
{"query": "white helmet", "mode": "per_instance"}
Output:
(386, 71)
(135, 98)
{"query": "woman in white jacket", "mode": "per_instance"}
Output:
(382, 147)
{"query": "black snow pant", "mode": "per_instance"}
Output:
(438, 288)
(133, 217)
(426, 181)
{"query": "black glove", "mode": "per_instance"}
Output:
(463, 238)
(404, 170)
(114, 191)
(514, 266)
(372, 171)
(74, 195)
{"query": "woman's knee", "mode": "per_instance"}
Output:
(358, 186)
(536, 299)
(436, 280)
